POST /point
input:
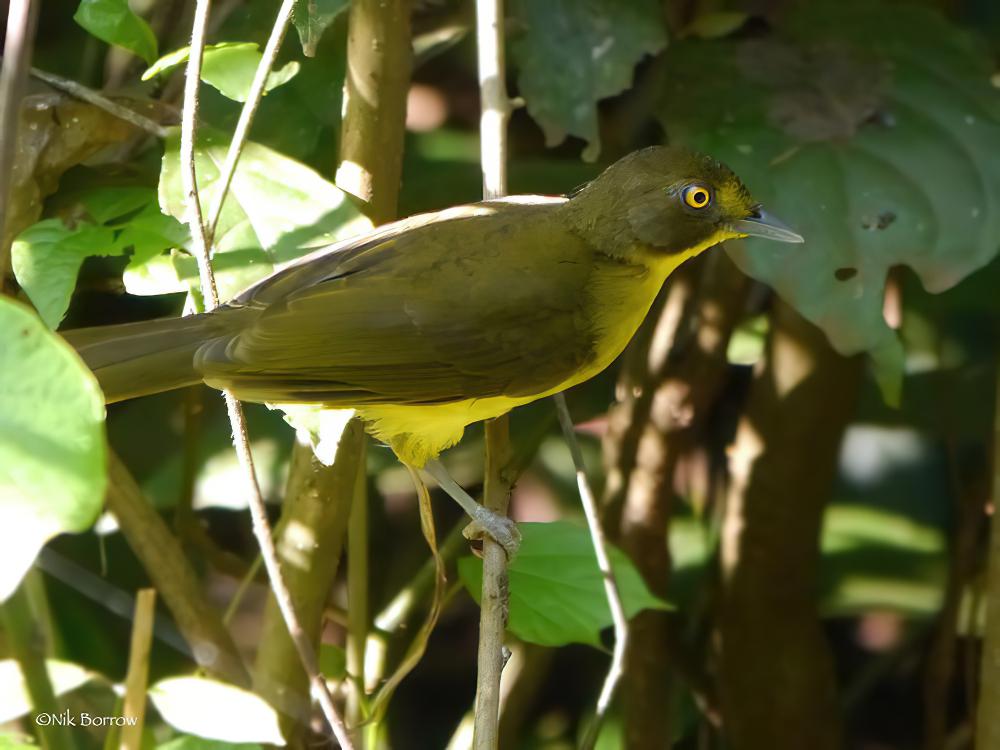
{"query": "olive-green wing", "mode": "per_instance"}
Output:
(472, 307)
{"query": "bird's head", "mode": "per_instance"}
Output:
(674, 200)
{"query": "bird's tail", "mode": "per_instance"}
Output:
(136, 359)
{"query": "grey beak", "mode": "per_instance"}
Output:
(762, 224)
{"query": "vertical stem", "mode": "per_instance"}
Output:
(134, 706)
(26, 644)
(495, 111)
(357, 598)
(241, 440)
(21, 19)
(987, 716)
(493, 605)
(379, 58)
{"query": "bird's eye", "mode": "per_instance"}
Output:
(696, 196)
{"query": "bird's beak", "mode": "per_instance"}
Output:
(761, 224)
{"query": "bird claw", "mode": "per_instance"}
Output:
(502, 530)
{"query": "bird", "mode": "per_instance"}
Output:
(443, 319)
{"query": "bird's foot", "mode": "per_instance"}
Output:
(502, 530)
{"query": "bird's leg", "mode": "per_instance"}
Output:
(484, 521)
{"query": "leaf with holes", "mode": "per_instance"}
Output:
(873, 130)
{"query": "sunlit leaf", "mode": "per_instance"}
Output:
(52, 462)
(871, 128)
(114, 22)
(229, 67)
(570, 55)
(275, 210)
(556, 589)
(47, 257)
(312, 18)
(14, 698)
(215, 710)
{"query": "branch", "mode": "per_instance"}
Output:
(163, 559)
(22, 16)
(241, 440)
(79, 91)
(250, 110)
(618, 616)
(495, 105)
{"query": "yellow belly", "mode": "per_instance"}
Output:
(620, 298)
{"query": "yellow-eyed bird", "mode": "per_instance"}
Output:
(440, 320)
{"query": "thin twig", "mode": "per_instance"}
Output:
(21, 19)
(241, 440)
(134, 707)
(495, 107)
(618, 617)
(79, 91)
(249, 111)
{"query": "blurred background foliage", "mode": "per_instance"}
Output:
(811, 502)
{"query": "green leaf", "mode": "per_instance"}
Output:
(214, 710)
(14, 698)
(312, 18)
(228, 67)
(556, 589)
(52, 463)
(104, 204)
(570, 55)
(114, 22)
(188, 742)
(870, 128)
(46, 258)
(275, 210)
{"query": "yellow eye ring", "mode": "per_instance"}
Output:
(696, 196)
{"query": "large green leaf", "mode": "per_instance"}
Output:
(229, 67)
(874, 131)
(114, 22)
(556, 589)
(276, 208)
(214, 710)
(52, 463)
(572, 54)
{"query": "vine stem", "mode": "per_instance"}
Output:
(618, 617)
(241, 440)
(495, 106)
